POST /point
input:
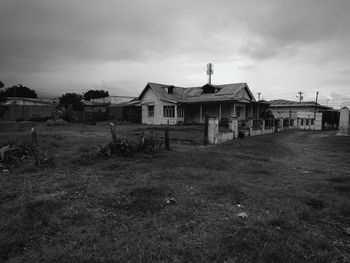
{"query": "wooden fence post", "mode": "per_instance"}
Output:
(206, 124)
(114, 138)
(166, 137)
(35, 147)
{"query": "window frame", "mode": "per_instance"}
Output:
(150, 112)
(168, 111)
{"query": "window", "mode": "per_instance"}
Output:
(208, 89)
(180, 111)
(169, 89)
(169, 111)
(239, 111)
(151, 111)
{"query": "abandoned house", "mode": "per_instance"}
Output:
(163, 104)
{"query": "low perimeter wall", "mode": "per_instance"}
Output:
(216, 137)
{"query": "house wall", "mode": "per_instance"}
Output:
(285, 112)
(150, 98)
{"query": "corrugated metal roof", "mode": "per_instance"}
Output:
(288, 103)
(226, 92)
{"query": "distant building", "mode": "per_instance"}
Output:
(28, 108)
(124, 108)
(302, 114)
(126, 111)
(289, 109)
(97, 111)
(114, 100)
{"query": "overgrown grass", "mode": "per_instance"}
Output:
(293, 186)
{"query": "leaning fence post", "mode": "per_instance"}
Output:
(35, 147)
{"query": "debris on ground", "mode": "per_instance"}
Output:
(11, 152)
(170, 201)
(242, 215)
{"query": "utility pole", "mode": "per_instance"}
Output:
(259, 93)
(315, 106)
(300, 97)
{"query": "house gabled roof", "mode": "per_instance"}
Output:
(159, 90)
(226, 92)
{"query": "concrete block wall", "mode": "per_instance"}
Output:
(216, 137)
(344, 126)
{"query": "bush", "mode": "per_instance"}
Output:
(120, 147)
(124, 147)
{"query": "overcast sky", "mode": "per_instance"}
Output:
(279, 47)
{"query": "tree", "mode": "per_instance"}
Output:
(94, 94)
(20, 91)
(72, 100)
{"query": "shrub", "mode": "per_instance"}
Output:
(120, 147)
(126, 148)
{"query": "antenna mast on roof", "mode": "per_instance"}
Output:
(300, 97)
(210, 71)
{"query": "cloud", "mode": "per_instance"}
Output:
(289, 26)
(67, 45)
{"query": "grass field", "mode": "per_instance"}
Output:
(181, 205)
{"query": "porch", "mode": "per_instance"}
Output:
(195, 113)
